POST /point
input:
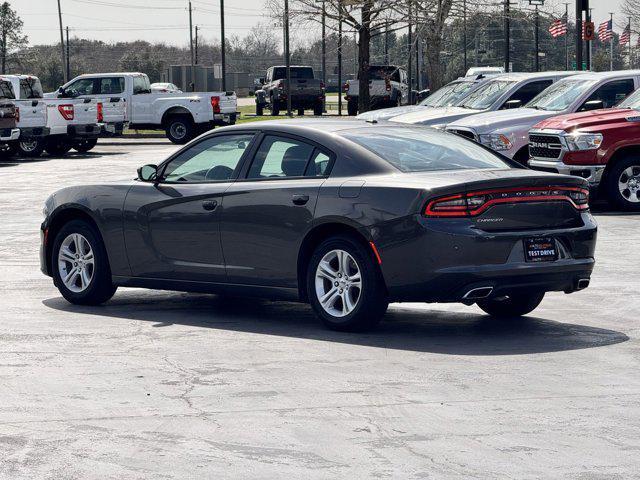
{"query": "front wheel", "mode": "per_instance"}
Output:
(80, 266)
(318, 109)
(30, 148)
(179, 129)
(623, 184)
(57, 146)
(84, 145)
(275, 108)
(344, 285)
(259, 109)
(515, 305)
(352, 108)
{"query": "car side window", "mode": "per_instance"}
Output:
(111, 85)
(611, 93)
(526, 92)
(212, 160)
(319, 165)
(280, 157)
(84, 86)
(141, 85)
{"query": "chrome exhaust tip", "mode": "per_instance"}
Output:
(583, 283)
(477, 293)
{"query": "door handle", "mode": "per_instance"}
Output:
(298, 199)
(210, 205)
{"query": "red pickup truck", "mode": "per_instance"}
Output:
(602, 146)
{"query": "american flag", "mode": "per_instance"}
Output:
(559, 27)
(625, 38)
(605, 31)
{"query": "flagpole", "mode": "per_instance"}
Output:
(566, 37)
(611, 41)
(630, 59)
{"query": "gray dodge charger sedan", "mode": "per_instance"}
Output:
(346, 215)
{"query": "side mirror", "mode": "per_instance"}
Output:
(148, 173)
(593, 105)
(261, 80)
(62, 92)
(513, 104)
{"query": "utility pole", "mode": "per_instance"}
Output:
(566, 37)
(464, 33)
(193, 68)
(287, 55)
(223, 48)
(409, 66)
(417, 55)
(64, 71)
(507, 37)
(537, 41)
(196, 45)
(611, 44)
(589, 42)
(386, 44)
(339, 58)
(578, 34)
(324, 43)
(68, 55)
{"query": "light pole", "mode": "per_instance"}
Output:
(537, 3)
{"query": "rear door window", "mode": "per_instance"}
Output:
(280, 157)
(141, 85)
(528, 91)
(111, 85)
(612, 93)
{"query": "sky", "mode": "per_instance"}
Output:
(167, 20)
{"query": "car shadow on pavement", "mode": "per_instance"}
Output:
(403, 328)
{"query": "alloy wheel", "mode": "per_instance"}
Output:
(76, 262)
(629, 184)
(338, 283)
(178, 130)
(28, 145)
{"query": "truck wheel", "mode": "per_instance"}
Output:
(179, 129)
(301, 112)
(352, 108)
(57, 146)
(30, 148)
(275, 108)
(623, 184)
(83, 146)
(317, 109)
(398, 102)
(259, 109)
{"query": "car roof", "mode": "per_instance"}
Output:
(520, 76)
(606, 75)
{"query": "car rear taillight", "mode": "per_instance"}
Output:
(322, 86)
(100, 112)
(215, 104)
(66, 111)
(474, 203)
(17, 114)
(387, 84)
(345, 87)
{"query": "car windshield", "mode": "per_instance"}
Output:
(447, 95)
(632, 101)
(486, 95)
(561, 95)
(424, 150)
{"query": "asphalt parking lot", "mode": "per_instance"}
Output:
(171, 385)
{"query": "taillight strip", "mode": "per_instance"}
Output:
(469, 211)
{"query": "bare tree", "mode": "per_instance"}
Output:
(11, 36)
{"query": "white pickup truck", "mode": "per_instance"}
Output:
(388, 87)
(70, 123)
(508, 131)
(181, 115)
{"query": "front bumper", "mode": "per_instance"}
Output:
(91, 130)
(34, 132)
(9, 134)
(591, 173)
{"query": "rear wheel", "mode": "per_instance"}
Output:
(30, 148)
(259, 109)
(179, 129)
(301, 112)
(80, 266)
(317, 109)
(623, 183)
(83, 146)
(352, 108)
(57, 146)
(515, 305)
(344, 285)
(275, 108)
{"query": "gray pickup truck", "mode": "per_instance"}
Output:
(307, 92)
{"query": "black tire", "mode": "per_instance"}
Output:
(179, 129)
(301, 112)
(618, 173)
(515, 305)
(372, 301)
(318, 109)
(84, 145)
(57, 146)
(398, 102)
(275, 108)
(100, 287)
(30, 149)
(352, 108)
(9, 150)
(259, 109)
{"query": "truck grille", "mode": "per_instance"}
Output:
(464, 133)
(545, 146)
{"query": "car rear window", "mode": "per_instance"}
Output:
(424, 150)
(296, 72)
(30, 87)
(6, 90)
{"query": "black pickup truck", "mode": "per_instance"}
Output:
(307, 92)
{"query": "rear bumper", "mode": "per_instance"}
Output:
(112, 129)
(223, 119)
(9, 134)
(91, 130)
(591, 173)
(34, 132)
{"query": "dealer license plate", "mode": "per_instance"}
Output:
(540, 249)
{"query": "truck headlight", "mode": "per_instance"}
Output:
(496, 141)
(583, 141)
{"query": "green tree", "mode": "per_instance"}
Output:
(11, 37)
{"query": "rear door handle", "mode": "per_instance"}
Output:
(299, 199)
(210, 205)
